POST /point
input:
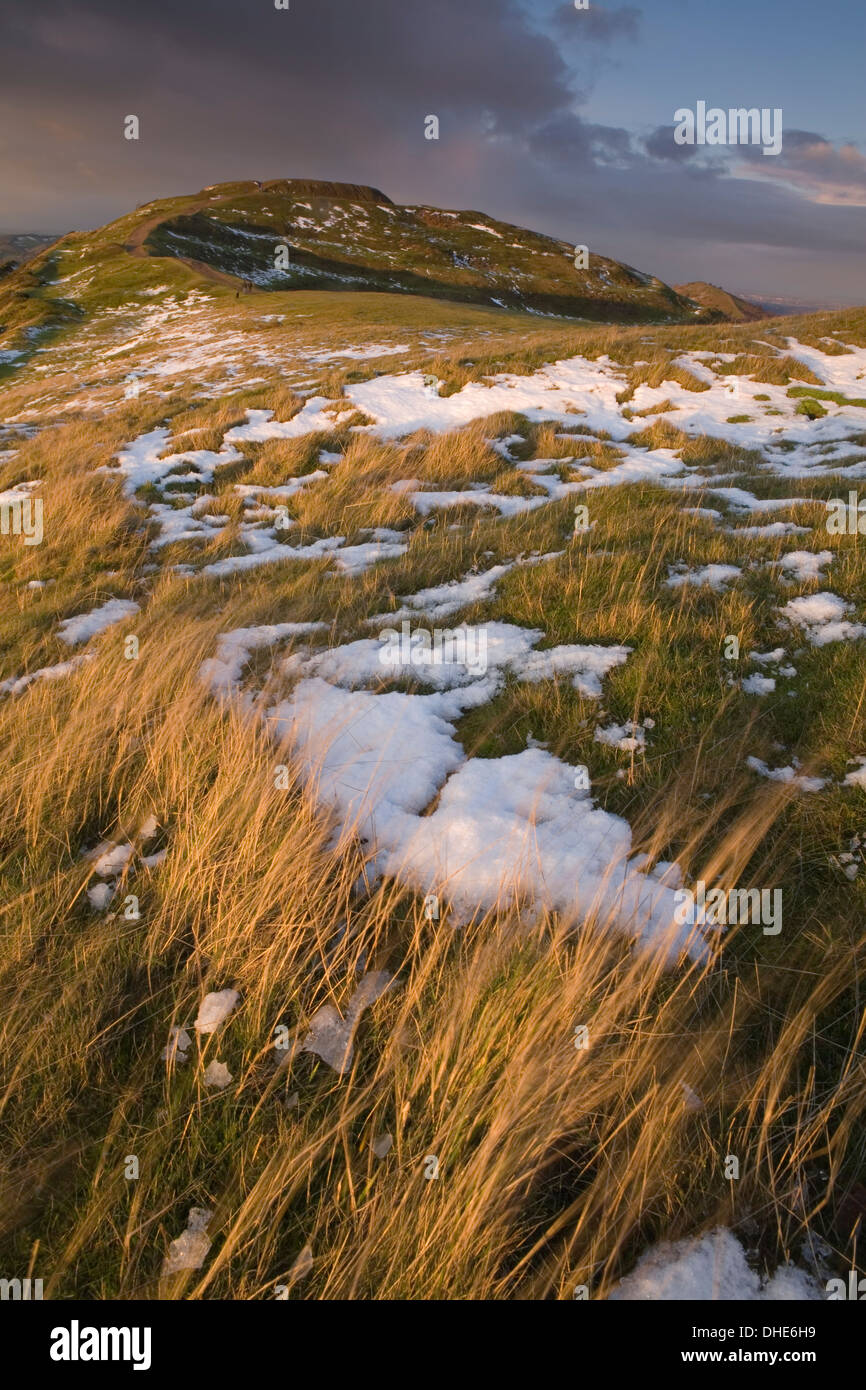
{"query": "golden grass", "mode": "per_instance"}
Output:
(557, 1166)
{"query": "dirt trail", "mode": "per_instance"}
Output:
(135, 246)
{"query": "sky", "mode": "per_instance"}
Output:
(557, 118)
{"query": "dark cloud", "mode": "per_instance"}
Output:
(339, 90)
(661, 145)
(596, 24)
(569, 141)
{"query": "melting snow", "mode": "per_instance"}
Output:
(787, 774)
(822, 619)
(330, 1035)
(86, 625)
(215, 1009)
(190, 1249)
(714, 576)
(15, 684)
(806, 564)
(707, 1268)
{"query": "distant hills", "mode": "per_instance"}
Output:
(20, 247)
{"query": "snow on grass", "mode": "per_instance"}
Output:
(267, 550)
(758, 684)
(286, 489)
(140, 462)
(311, 419)
(355, 559)
(790, 775)
(503, 828)
(15, 684)
(190, 1249)
(585, 665)
(708, 1268)
(628, 737)
(857, 777)
(110, 858)
(100, 895)
(184, 523)
(400, 404)
(740, 499)
(15, 494)
(805, 565)
(640, 466)
(716, 577)
(821, 618)
(480, 227)
(772, 658)
(441, 600)
(222, 673)
(506, 649)
(358, 354)
(330, 1035)
(776, 655)
(214, 1009)
(178, 1045)
(426, 502)
(217, 1076)
(83, 626)
(845, 372)
(404, 403)
(768, 532)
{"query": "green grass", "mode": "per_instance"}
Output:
(819, 395)
(812, 408)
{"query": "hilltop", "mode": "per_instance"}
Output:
(724, 305)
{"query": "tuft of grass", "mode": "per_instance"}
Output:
(811, 408)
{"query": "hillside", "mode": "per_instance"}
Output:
(307, 234)
(343, 237)
(380, 669)
(729, 307)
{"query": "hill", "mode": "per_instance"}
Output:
(342, 236)
(288, 234)
(721, 303)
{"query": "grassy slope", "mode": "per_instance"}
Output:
(339, 243)
(557, 1165)
(730, 306)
